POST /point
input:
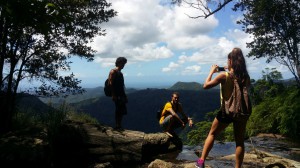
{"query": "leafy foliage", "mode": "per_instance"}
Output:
(268, 86)
(82, 117)
(276, 110)
(37, 39)
(201, 129)
(273, 25)
(278, 114)
(276, 107)
(199, 133)
(275, 29)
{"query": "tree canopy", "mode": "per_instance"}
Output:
(37, 37)
(276, 31)
(274, 25)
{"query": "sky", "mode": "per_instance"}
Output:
(164, 46)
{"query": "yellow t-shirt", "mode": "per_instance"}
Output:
(166, 109)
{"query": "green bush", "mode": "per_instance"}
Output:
(278, 114)
(199, 133)
(201, 129)
(82, 117)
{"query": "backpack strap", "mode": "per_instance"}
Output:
(177, 105)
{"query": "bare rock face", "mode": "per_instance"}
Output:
(98, 143)
(161, 163)
(91, 145)
(255, 158)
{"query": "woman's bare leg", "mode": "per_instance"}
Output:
(239, 133)
(215, 129)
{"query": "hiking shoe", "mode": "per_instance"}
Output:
(119, 129)
(198, 164)
(169, 134)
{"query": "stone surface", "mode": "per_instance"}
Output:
(99, 146)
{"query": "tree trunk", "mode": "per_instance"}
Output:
(298, 73)
(6, 112)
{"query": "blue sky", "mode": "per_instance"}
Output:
(163, 45)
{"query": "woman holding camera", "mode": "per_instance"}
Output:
(236, 67)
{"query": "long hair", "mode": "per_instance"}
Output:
(238, 64)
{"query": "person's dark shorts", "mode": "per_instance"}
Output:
(121, 107)
(223, 118)
(176, 123)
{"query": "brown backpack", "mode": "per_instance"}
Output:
(238, 106)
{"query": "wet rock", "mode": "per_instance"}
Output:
(103, 165)
(163, 164)
(261, 159)
(92, 145)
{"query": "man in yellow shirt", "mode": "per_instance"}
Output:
(170, 119)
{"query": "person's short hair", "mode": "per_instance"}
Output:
(120, 60)
(175, 93)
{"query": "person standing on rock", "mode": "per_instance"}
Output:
(170, 119)
(236, 68)
(116, 82)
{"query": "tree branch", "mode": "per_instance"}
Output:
(200, 5)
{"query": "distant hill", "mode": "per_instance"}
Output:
(31, 104)
(186, 86)
(143, 104)
(90, 93)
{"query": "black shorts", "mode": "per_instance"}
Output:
(121, 106)
(223, 118)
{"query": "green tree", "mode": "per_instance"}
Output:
(202, 128)
(37, 37)
(277, 114)
(274, 25)
(271, 74)
(276, 107)
(268, 86)
(276, 31)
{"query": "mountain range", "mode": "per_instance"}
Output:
(142, 104)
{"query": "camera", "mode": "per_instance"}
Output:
(220, 69)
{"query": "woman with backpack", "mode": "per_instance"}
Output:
(237, 70)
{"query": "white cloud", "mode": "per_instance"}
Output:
(216, 51)
(172, 67)
(105, 62)
(148, 52)
(137, 31)
(150, 34)
(188, 42)
(192, 70)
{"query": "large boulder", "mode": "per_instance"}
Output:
(82, 143)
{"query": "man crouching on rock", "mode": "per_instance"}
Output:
(170, 119)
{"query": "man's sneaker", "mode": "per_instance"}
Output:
(169, 134)
(199, 164)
